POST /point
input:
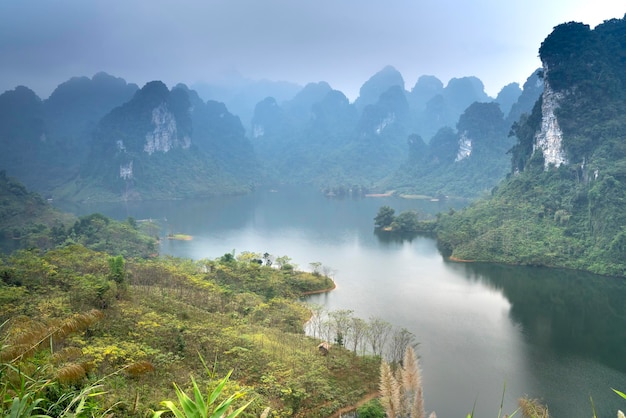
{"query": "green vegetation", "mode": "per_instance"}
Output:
(467, 162)
(92, 322)
(74, 316)
(27, 222)
(108, 329)
(407, 222)
(199, 406)
(180, 237)
(571, 216)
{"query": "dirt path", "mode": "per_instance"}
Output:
(364, 400)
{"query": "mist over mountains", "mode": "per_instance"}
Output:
(103, 138)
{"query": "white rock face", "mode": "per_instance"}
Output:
(465, 147)
(257, 131)
(164, 136)
(550, 138)
(385, 122)
(126, 171)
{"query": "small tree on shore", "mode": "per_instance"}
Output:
(385, 217)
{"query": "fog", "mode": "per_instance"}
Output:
(43, 43)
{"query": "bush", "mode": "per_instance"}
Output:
(372, 409)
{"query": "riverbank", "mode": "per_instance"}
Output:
(317, 292)
(180, 237)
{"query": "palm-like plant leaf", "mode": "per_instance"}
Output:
(622, 394)
(199, 407)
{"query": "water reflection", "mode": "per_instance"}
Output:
(574, 313)
(386, 237)
(574, 328)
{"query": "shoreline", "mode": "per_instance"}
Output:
(317, 292)
(460, 260)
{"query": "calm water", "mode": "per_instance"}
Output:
(555, 335)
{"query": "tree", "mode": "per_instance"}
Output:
(406, 222)
(118, 271)
(357, 333)
(385, 217)
(372, 409)
(268, 258)
(341, 322)
(316, 267)
(400, 341)
(283, 262)
(377, 334)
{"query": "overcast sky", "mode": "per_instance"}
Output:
(343, 42)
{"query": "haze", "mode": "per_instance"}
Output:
(43, 43)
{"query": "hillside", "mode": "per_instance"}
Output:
(29, 222)
(320, 138)
(150, 148)
(563, 203)
(89, 308)
(103, 139)
(44, 142)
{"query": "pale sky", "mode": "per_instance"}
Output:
(344, 42)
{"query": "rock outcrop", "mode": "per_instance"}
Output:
(550, 138)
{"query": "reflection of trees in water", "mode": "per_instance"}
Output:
(572, 312)
(395, 237)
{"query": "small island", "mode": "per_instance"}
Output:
(180, 237)
(406, 222)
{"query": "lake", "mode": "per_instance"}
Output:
(556, 335)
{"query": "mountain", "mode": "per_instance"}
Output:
(426, 87)
(45, 142)
(318, 137)
(376, 85)
(144, 149)
(531, 92)
(104, 138)
(508, 96)
(563, 204)
(435, 107)
(221, 136)
(465, 162)
(22, 135)
(240, 94)
(76, 106)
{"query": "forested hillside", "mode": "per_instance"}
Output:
(150, 148)
(563, 203)
(390, 138)
(29, 222)
(44, 142)
(64, 146)
(105, 139)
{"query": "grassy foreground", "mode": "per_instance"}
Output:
(73, 318)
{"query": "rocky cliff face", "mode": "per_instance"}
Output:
(164, 136)
(465, 147)
(550, 138)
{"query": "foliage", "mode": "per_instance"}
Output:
(241, 313)
(466, 162)
(571, 216)
(384, 217)
(403, 225)
(201, 407)
(371, 409)
(27, 221)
